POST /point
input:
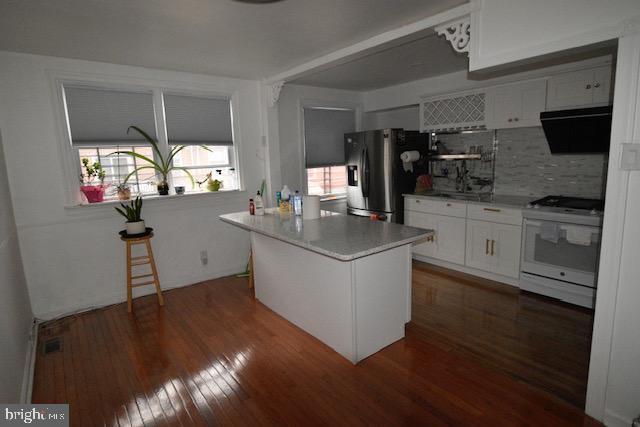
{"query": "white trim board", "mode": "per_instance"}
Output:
(120, 296)
(625, 127)
(26, 390)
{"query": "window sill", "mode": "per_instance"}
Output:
(156, 197)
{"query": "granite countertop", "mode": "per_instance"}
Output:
(498, 200)
(339, 236)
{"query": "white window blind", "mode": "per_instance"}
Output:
(324, 130)
(198, 121)
(102, 116)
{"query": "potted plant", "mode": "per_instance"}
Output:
(124, 192)
(162, 165)
(93, 192)
(132, 212)
(213, 184)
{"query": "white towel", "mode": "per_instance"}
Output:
(408, 157)
(550, 231)
(578, 235)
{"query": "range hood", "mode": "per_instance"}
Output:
(584, 130)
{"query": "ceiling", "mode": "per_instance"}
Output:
(410, 60)
(220, 37)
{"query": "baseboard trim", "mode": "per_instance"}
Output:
(612, 419)
(468, 270)
(30, 364)
(120, 297)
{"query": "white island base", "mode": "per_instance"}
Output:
(356, 307)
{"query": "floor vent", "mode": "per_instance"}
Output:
(52, 345)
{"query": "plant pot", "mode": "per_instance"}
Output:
(163, 188)
(137, 227)
(93, 193)
(124, 194)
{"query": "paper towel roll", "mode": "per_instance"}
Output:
(310, 207)
(408, 157)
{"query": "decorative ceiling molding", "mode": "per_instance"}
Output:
(457, 33)
(274, 92)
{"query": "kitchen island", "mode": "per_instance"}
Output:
(346, 280)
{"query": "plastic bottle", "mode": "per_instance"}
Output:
(278, 198)
(285, 193)
(259, 204)
(297, 203)
(252, 207)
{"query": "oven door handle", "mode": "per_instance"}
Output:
(534, 223)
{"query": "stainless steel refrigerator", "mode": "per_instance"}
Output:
(376, 179)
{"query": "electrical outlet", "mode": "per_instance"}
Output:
(204, 258)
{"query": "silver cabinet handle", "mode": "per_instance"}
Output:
(491, 210)
(596, 85)
(486, 247)
(493, 242)
(588, 86)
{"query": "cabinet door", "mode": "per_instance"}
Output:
(502, 106)
(450, 239)
(422, 220)
(602, 86)
(532, 101)
(516, 105)
(479, 236)
(570, 90)
(506, 249)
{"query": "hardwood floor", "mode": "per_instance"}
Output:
(213, 355)
(532, 338)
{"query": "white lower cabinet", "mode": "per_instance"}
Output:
(493, 247)
(449, 240)
(482, 237)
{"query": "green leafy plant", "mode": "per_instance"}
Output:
(161, 165)
(131, 211)
(91, 171)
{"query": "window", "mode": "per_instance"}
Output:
(327, 180)
(117, 167)
(324, 130)
(197, 122)
(98, 119)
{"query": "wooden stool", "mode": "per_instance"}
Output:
(141, 260)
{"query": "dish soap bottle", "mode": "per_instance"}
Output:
(259, 204)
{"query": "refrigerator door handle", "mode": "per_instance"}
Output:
(365, 171)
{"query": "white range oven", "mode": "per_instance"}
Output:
(560, 248)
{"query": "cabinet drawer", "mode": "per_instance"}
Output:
(495, 214)
(437, 207)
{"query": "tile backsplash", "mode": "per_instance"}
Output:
(526, 167)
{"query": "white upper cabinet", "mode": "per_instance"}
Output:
(516, 105)
(585, 88)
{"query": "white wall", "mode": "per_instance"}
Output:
(73, 259)
(15, 309)
(406, 118)
(505, 31)
(292, 99)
